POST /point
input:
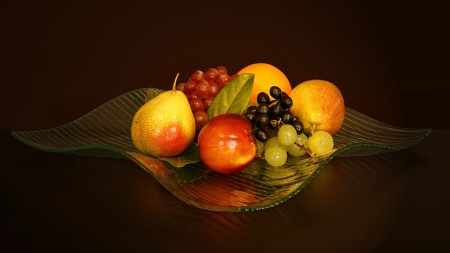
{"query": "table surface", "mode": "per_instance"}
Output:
(394, 202)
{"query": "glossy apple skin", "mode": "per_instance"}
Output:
(227, 144)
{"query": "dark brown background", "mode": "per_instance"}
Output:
(62, 59)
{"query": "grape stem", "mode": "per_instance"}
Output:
(274, 102)
(279, 123)
(309, 152)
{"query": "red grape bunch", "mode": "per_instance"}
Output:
(200, 90)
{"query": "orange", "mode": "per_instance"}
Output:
(266, 76)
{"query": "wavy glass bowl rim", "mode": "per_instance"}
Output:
(340, 151)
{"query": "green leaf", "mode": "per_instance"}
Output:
(151, 93)
(233, 97)
(190, 155)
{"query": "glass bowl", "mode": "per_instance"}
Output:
(105, 132)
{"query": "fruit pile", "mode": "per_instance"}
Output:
(280, 121)
(200, 90)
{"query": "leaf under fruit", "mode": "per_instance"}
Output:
(190, 155)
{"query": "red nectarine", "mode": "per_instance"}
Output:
(227, 144)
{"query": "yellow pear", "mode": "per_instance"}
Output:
(319, 105)
(165, 125)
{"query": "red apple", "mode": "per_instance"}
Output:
(227, 144)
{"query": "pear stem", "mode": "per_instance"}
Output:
(313, 129)
(309, 152)
(175, 82)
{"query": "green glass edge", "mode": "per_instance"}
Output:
(122, 154)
